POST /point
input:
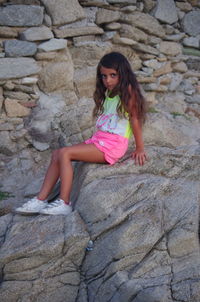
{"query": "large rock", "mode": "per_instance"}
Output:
(55, 76)
(106, 16)
(191, 23)
(53, 45)
(170, 48)
(21, 15)
(17, 48)
(85, 81)
(67, 32)
(7, 147)
(143, 228)
(37, 34)
(11, 68)
(172, 129)
(145, 22)
(62, 11)
(39, 126)
(42, 262)
(132, 32)
(165, 11)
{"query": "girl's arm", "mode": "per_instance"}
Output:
(139, 155)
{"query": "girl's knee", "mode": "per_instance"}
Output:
(63, 153)
(55, 155)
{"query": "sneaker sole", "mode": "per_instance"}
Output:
(26, 213)
(47, 214)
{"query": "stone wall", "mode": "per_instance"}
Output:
(143, 220)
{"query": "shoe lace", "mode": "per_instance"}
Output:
(55, 203)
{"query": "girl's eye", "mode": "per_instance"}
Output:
(113, 75)
(103, 76)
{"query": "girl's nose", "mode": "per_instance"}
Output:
(108, 80)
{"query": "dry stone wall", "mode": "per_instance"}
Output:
(143, 220)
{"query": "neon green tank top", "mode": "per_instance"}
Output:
(110, 121)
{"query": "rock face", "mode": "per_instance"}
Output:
(51, 271)
(142, 221)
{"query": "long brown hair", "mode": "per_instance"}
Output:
(128, 86)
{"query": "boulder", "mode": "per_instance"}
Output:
(144, 22)
(191, 22)
(63, 12)
(143, 228)
(12, 68)
(17, 48)
(42, 262)
(56, 76)
(21, 15)
(37, 34)
(165, 11)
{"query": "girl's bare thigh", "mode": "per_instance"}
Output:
(83, 152)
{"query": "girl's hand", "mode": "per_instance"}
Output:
(139, 156)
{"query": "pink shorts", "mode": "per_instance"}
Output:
(112, 145)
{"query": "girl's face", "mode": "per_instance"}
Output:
(110, 77)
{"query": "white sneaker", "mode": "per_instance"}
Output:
(57, 207)
(33, 206)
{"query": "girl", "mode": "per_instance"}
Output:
(120, 110)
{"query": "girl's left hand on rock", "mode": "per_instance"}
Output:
(140, 157)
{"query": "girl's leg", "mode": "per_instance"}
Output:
(81, 152)
(61, 167)
(51, 177)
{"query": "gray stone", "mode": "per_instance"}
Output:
(176, 79)
(63, 12)
(52, 45)
(21, 15)
(193, 63)
(60, 253)
(175, 37)
(145, 48)
(165, 11)
(192, 42)
(106, 16)
(11, 68)
(119, 253)
(134, 33)
(67, 32)
(7, 147)
(171, 130)
(37, 34)
(17, 48)
(191, 23)
(39, 128)
(170, 48)
(195, 99)
(144, 22)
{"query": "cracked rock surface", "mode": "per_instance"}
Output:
(143, 222)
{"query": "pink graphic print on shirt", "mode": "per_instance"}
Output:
(107, 121)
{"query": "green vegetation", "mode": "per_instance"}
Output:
(174, 114)
(152, 110)
(5, 195)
